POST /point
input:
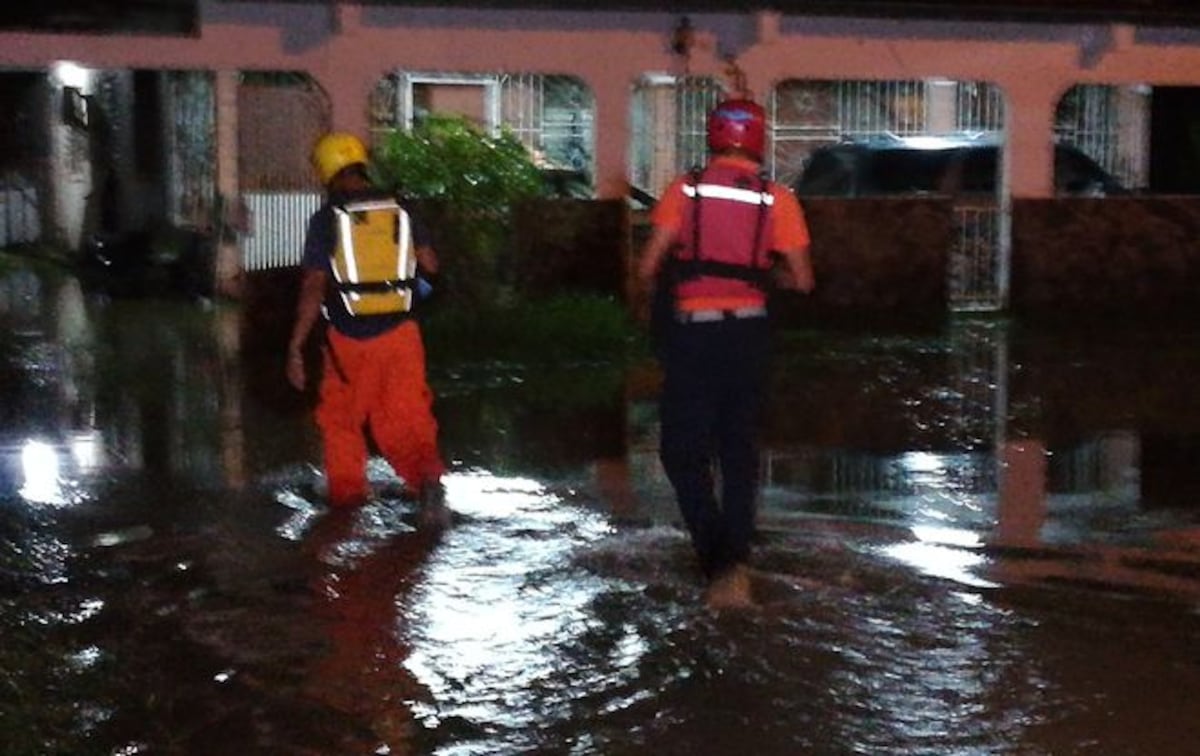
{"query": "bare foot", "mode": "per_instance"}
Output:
(730, 589)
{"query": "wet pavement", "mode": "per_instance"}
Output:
(981, 539)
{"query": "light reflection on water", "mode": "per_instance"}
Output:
(499, 601)
(965, 548)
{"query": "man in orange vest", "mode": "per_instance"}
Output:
(362, 255)
(717, 234)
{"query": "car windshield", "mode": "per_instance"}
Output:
(828, 173)
(953, 169)
(1076, 173)
(905, 171)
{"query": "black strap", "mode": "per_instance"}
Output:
(375, 287)
(762, 219)
(753, 275)
(696, 175)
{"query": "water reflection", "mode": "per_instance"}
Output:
(955, 527)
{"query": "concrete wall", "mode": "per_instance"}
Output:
(1123, 257)
(880, 259)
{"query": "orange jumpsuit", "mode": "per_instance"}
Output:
(373, 382)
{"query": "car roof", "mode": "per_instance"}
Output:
(925, 141)
(931, 142)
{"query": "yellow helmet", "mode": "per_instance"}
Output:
(335, 151)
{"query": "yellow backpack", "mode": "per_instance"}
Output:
(374, 265)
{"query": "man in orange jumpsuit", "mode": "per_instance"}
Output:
(373, 364)
(717, 232)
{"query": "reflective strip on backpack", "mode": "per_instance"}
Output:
(395, 298)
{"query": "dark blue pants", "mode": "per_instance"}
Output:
(715, 377)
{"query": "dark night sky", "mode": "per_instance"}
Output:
(177, 16)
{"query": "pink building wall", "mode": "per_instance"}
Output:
(347, 47)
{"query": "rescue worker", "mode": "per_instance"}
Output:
(364, 257)
(721, 234)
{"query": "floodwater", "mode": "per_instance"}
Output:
(976, 540)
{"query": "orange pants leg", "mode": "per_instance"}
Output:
(377, 383)
(341, 414)
(401, 418)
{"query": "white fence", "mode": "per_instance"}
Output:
(278, 221)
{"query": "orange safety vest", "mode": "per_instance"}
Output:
(725, 240)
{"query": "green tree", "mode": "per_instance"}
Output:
(463, 182)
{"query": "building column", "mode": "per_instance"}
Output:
(1021, 506)
(1029, 157)
(228, 264)
(612, 136)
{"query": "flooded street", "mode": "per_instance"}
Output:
(976, 540)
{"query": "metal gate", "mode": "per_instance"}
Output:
(807, 115)
(669, 135)
(280, 116)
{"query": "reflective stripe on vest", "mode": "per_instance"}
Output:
(373, 263)
(722, 252)
(718, 191)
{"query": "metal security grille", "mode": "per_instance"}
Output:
(1086, 118)
(807, 115)
(867, 108)
(978, 280)
(554, 116)
(804, 116)
(979, 107)
(978, 276)
(1111, 125)
(281, 115)
(670, 116)
(695, 97)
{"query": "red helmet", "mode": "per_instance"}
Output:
(737, 123)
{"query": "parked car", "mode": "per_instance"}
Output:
(951, 165)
